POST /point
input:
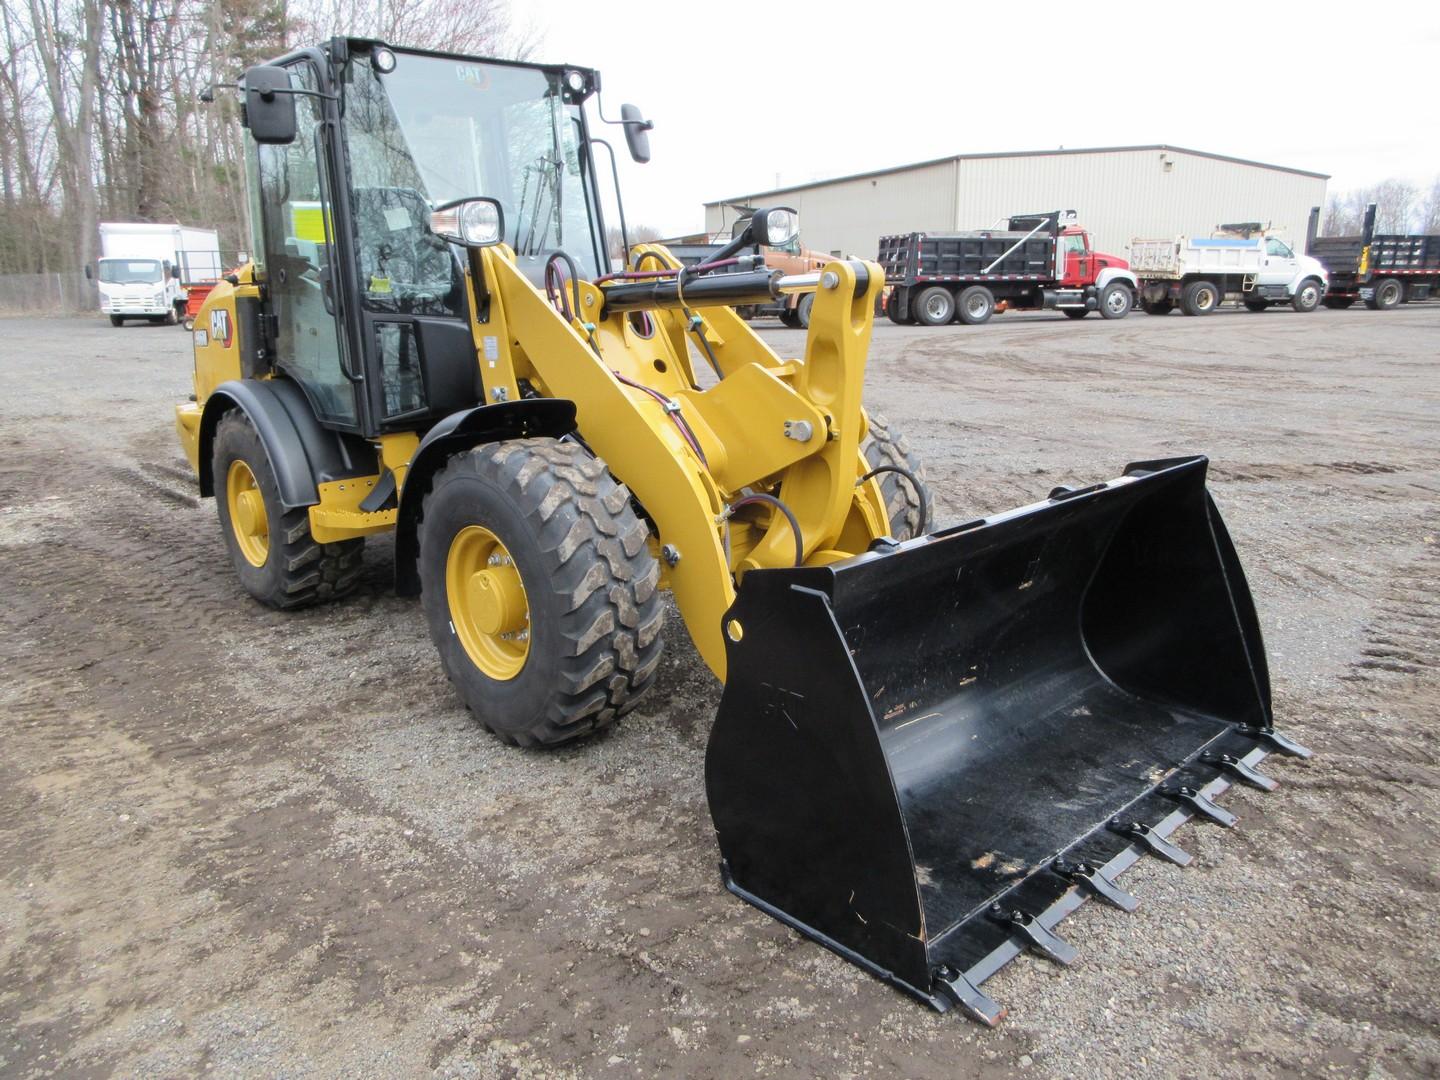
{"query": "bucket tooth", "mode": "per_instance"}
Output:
(1201, 805)
(1235, 767)
(1091, 879)
(1036, 937)
(953, 987)
(1277, 742)
(1153, 841)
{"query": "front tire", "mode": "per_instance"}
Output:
(1116, 301)
(1338, 303)
(803, 309)
(1200, 298)
(1075, 312)
(1307, 296)
(909, 511)
(1157, 307)
(534, 537)
(934, 306)
(116, 320)
(279, 563)
(791, 318)
(1256, 305)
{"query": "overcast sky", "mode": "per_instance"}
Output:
(743, 93)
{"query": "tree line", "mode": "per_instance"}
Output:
(100, 111)
(1400, 207)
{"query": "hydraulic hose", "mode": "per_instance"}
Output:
(921, 491)
(771, 500)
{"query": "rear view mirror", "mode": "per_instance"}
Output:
(269, 105)
(637, 132)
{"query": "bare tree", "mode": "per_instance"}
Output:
(639, 234)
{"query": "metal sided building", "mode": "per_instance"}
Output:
(1119, 192)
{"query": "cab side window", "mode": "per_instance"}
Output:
(1275, 247)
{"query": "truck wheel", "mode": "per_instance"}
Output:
(278, 561)
(1157, 307)
(1307, 296)
(1256, 305)
(803, 309)
(1075, 312)
(907, 510)
(189, 323)
(1389, 293)
(1116, 301)
(1338, 303)
(116, 320)
(790, 318)
(977, 304)
(1200, 298)
(934, 306)
(539, 589)
(892, 309)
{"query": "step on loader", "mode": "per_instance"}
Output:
(932, 744)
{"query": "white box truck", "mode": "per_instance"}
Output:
(143, 269)
(1241, 262)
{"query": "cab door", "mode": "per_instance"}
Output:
(298, 259)
(1279, 265)
(1077, 269)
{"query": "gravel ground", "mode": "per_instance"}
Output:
(240, 843)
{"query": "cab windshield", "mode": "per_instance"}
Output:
(131, 271)
(437, 129)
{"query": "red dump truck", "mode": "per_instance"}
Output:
(1038, 261)
(1383, 270)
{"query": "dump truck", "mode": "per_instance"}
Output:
(1241, 261)
(1382, 270)
(932, 743)
(1038, 261)
(143, 269)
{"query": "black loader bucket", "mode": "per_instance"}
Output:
(926, 756)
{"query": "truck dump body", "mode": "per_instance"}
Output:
(1172, 258)
(1383, 269)
(968, 256)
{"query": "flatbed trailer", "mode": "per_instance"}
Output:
(1382, 270)
(1039, 261)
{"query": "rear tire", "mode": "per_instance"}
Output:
(976, 305)
(803, 309)
(1389, 293)
(116, 320)
(1307, 296)
(279, 563)
(1256, 305)
(1200, 298)
(892, 308)
(885, 445)
(590, 602)
(934, 306)
(1157, 307)
(790, 318)
(1075, 312)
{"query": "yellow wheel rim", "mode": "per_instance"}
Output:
(488, 609)
(247, 513)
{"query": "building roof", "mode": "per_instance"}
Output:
(1018, 154)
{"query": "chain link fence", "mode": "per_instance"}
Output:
(47, 294)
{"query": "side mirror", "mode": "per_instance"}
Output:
(637, 132)
(269, 105)
(472, 222)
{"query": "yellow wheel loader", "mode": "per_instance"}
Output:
(932, 745)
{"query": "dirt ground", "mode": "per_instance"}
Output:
(239, 843)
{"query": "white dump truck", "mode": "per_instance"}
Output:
(1239, 262)
(143, 269)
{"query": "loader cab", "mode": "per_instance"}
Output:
(367, 307)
